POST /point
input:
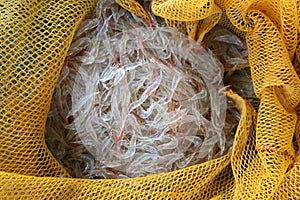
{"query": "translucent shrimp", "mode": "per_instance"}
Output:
(138, 100)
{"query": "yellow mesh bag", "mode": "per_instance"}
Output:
(264, 162)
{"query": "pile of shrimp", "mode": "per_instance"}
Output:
(134, 100)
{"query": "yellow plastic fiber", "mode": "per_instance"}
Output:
(264, 162)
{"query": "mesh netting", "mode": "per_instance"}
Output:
(264, 162)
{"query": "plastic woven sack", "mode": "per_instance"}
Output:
(264, 162)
